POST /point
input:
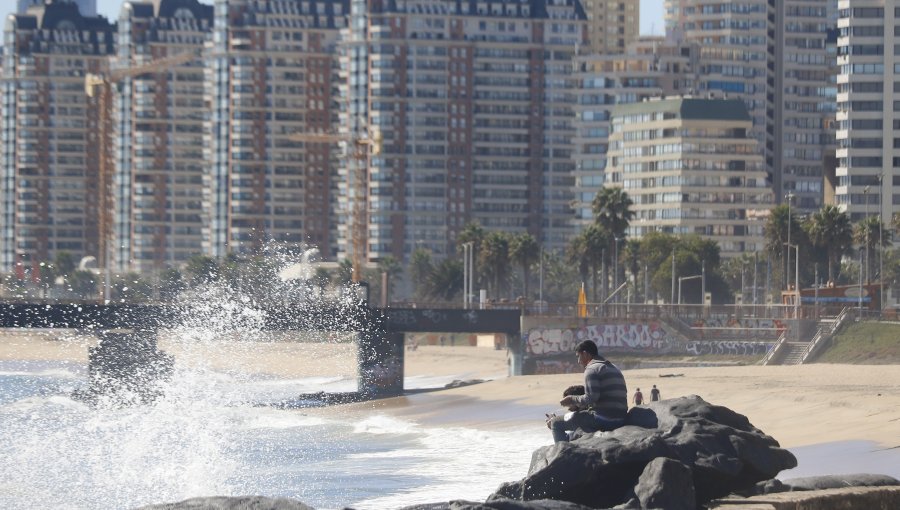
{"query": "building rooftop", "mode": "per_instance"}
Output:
(689, 108)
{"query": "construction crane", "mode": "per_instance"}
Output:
(358, 148)
(100, 86)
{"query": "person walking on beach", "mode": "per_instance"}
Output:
(638, 398)
(654, 394)
(604, 402)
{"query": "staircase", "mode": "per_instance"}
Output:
(794, 353)
(797, 353)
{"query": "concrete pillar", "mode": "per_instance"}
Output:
(380, 359)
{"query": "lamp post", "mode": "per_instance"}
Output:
(866, 225)
(789, 197)
(881, 242)
(616, 266)
(796, 281)
(683, 278)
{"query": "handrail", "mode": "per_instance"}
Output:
(775, 348)
(821, 335)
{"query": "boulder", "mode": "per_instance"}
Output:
(722, 451)
(232, 503)
(814, 483)
(666, 483)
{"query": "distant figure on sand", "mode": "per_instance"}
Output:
(604, 401)
(638, 398)
(654, 394)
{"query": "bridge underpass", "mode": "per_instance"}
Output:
(380, 332)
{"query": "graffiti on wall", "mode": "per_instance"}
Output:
(550, 350)
(733, 348)
(631, 337)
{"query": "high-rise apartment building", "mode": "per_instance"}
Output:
(691, 167)
(868, 108)
(612, 25)
(49, 133)
(649, 68)
(474, 104)
(87, 8)
(271, 75)
(802, 115)
(774, 55)
(160, 120)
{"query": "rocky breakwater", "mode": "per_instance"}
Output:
(675, 454)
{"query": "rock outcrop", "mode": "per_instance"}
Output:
(711, 451)
(232, 503)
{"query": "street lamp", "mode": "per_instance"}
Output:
(866, 225)
(468, 272)
(683, 278)
(789, 197)
(616, 266)
(796, 282)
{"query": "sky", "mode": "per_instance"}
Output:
(651, 13)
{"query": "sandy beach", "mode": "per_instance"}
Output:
(797, 405)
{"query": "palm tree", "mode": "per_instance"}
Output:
(829, 229)
(612, 211)
(391, 267)
(494, 258)
(631, 254)
(776, 233)
(867, 234)
(578, 255)
(445, 281)
(420, 266)
(525, 251)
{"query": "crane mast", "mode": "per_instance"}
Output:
(358, 149)
(99, 86)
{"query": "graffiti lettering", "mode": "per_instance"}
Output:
(715, 328)
(632, 337)
(735, 347)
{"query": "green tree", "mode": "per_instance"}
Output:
(494, 259)
(656, 254)
(65, 263)
(631, 255)
(776, 230)
(445, 282)
(525, 251)
(170, 284)
(867, 234)
(420, 266)
(829, 230)
(345, 272)
(612, 211)
(390, 266)
(131, 288)
(202, 269)
(83, 284)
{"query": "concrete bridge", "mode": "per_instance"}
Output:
(380, 331)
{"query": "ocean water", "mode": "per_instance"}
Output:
(208, 436)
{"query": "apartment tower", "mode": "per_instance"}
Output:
(691, 167)
(774, 55)
(50, 134)
(473, 103)
(868, 108)
(650, 68)
(271, 75)
(612, 25)
(159, 144)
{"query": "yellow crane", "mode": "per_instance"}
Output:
(100, 86)
(358, 148)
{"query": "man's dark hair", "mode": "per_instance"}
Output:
(589, 347)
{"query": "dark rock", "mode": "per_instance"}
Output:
(722, 450)
(666, 483)
(814, 483)
(509, 504)
(232, 503)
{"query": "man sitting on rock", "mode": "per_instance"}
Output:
(604, 402)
